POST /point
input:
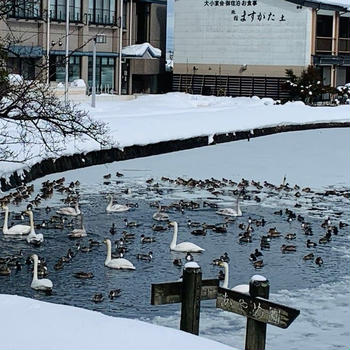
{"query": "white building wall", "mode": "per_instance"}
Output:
(274, 32)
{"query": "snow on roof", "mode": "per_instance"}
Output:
(342, 3)
(54, 326)
(145, 50)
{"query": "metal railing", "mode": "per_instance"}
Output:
(58, 13)
(324, 45)
(344, 45)
(102, 16)
(25, 12)
(100, 89)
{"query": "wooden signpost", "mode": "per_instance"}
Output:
(190, 291)
(253, 305)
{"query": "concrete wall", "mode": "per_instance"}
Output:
(271, 33)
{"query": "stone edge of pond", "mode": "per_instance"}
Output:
(75, 161)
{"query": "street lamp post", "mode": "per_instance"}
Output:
(67, 53)
(98, 39)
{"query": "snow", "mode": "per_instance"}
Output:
(51, 326)
(78, 83)
(192, 265)
(15, 79)
(243, 288)
(139, 50)
(258, 278)
(155, 118)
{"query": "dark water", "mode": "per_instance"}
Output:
(285, 271)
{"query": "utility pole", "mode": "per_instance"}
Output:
(93, 93)
(120, 49)
(67, 53)
(48, 44)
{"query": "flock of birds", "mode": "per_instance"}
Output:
(64, 218)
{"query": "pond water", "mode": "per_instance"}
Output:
(292, 279)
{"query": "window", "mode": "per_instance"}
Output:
(60, 71)
(28, 9)
(58, 10)
(344, 27)
(24, 66)
(102, 12)
(105, 70)
(324, 27)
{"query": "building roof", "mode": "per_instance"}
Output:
(145, 50)
(333, 5)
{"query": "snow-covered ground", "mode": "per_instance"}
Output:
(154, 118)
(42, 325)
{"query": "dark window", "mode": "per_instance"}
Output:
(142, 12)
(324, 27)
(58, 10)
(344, 27)
(28, 9)
(105, 71)
(58, 68)
(24, 66)
(102, 12)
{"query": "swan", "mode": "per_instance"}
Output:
(184, 246)
(69, 210)
(115, 208)
(231, 211)
(79, 232)
(119, 263)
(33, 237)
(160, 216)
(43, 284)
(16, 229)
(243, 288)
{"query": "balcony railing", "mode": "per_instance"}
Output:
(344, 45)
(25, 13)
(58, 13)
(324, 45)
(101, 16)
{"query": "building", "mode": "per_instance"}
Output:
(243, 47)
(139, 21)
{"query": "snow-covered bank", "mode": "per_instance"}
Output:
(155, 118)
(49, 326)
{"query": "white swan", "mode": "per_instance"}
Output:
(119, 263)
(184, 246)
(16, 229)
(231, 211)
(159, 216)
(79, 232)
(33, 237)
(69, 210)
(115, 208)
(43, 284)
(243, 288)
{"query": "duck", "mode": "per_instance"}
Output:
(115, 208)
(184, 246)
(145, 239)
(225, 257)
(288, 248)
(189, 256)
(145, 257)
(127, 235)
(97, 298)
(131, 224)
(309, 256)
(113, 230)
(16, 229)
(258, 264)
(273, 233)
(244, 238)
(33, 238)
(310, 244)
(83, 275)
(220, 228)
(159, 216)
(177, 262)
(230, 211)
(290, 236)
(199, 232)
(42, 284)
(69, 211)
(191, 223)
(5, 270)
(252, 257)
(257, 253)
(119, 263)
(114, 293)
(159, 228)
(319, 261)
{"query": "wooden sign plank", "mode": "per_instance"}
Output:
(171, 292)
(257, 308)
